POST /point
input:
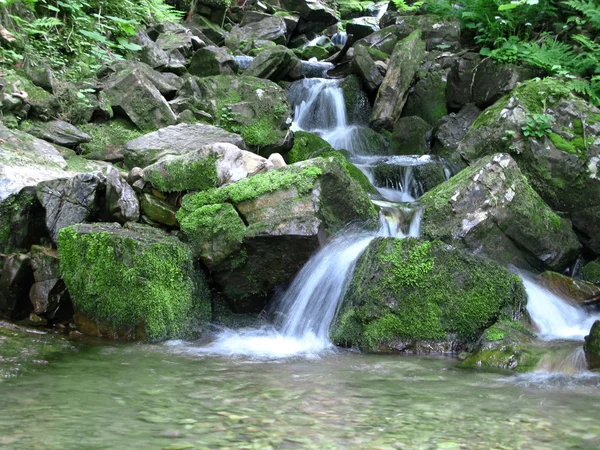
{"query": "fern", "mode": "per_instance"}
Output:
(549, 55)
(589, 9)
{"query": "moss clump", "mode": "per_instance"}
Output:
(575, 147)
(306, 146)
(409, 290)
(315, 51)
(591, 272)
(183, 173)
(213, 231)
(261, 133)
(109, 137)
(132, 279)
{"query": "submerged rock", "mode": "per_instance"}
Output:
(592, 347)
(579, 291)
(279, 219)
(490, 208)
(134, 282)
(405, 295)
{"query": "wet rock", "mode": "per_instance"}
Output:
(407, 57)
(363, 65)
(399, 298)
(450, 130)
(158, 210)
(592, 347)
(68, 201)
(362, 27)
(411, 136)
(270, 29)
(16, 279)
(212, 61)
(122, 205)
(49, 296)
(22, 221)
(427, 99)
(490, 208)
(175, 140)
(59, 132)
(284, 215)
(591, 272)
(211, 166)
(276, 64)
(579, 291)
(437, 32)
(134, 282)
(315, 15)
(358, 108)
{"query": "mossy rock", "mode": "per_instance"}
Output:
(315, 51)
(22, 221)
(358, 108)
(134, 282)
(406, 295)
(108, 139)
(411, 136)
(591, 347)
(427, 99)
(591, 272)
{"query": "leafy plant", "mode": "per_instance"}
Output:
(538, 125)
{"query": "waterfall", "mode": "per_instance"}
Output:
(554, 317)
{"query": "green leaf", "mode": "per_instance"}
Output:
(485, 51)
(508, 6)
(123, 42)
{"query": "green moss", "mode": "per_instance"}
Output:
(562, 144)
(181, 174)
(494, 334)
(130, 279)
(377, 55)
(261, 133)
(591, 272)
(109, 136)
(306, 146)
(315, 51)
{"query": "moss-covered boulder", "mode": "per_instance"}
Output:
(406, 58)
(491, 208)
(108, 140)
(212, 60)
(358, 108)
(279, 218)
(277, 63)
(420, 296)
(269, 29)
(591, 272)
(134, 282)
(592, 347)
(411, 136)
(555, 139)
(256, 109)
(427, 99)
(365, 68)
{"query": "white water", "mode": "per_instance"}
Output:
(554, 317)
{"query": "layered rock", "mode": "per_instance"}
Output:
(490, 208)
(592, 347)
(405, 296)
(276, 64)
(272, 28)
(134, 282)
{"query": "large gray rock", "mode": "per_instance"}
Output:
(452, 128)
(121, 202)
(436, 31)
(22, 221)
(16, 279)
(280, 218)
(59, 132)
(175, 140)
(490, 208)
(315, 15)
(48, 295)
(363, 65)
(362, 27)
(276, 64)
(153, 55)
(69, 201)
(427, 99)
(406, 59)
(210, 166)
(270, 29)
(212, 60)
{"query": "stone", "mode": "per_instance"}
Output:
(358, 108)
(22, 221)
(203, 27)
(591, 272)
(405, 296)
(491, 209)
(39, 73)
(158, 210)
(315, 15)
(49, 296)
(276, 64)
(437, 32)
(405, 60)
(108, 140)
(212, 60)
(579, 291)
(460, 80)
(563, 164)
(132, 282)
(382, 41)
(451, 129)
(365, 68)
(277, 160)
(591, 347)
(175, 140)
(315, 51)
(69, 201)
(210, 166)
(16, 279)
(285, 213)
(270, 29)
(133, 95)
(179, 40)
(427, 99)
(161, 81)
(411, 136)
(122, 205)
(158, 59)
(362, 27)
(59, 132)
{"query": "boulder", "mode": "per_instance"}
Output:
(257, 109)
(591, 347)
(155, 57)
(270, 29)
(358, 108)
(363, 65)
(315, 51)
(16, 279)
(205, 29)
(561, 159)
(212, 61)
(362, 27)
(211, 166)
(460, 80)
(490, 208)
(178, 40)
(122, 205)
(437, 32)
(49, 296)
(161, 81)
(406, 59)
(411, 136)
(158, 210)
(591, 272)
(213, 9)
(276, 64)
(133, 95)
(132, 282)
(579, 291)
(405, 296)
(22, 222)
(280, 218)
(450, 130)
(59, 132)
(39, 73)
(108, 140)
(68, 201)
(175, 140)
(315, 15)
(427, 99)
(383, 41)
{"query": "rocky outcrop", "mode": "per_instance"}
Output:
(279, 219)
(406, 58)
(276, 64)
(490, 208)
(592, 347)
(270, 29)
(175, 140)
(209, 167)
(405, 296)
(212, 61)
(134, 282)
